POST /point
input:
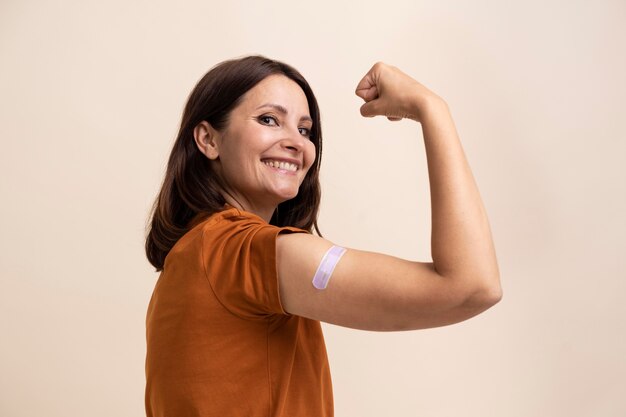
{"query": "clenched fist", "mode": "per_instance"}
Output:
(389, 92)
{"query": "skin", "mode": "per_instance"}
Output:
(272, 123)
(372, 291)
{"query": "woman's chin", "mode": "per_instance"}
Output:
(286, 195)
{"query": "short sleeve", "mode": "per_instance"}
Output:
(239, 254)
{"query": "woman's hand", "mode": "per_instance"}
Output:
(389, 92)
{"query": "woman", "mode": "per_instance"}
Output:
(233, 326)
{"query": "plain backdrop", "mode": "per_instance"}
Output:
(91, 95)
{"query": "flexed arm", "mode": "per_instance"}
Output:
(379, 292)
(461, 242)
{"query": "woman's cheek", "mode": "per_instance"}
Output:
(312, 155)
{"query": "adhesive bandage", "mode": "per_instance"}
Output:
(327, 266)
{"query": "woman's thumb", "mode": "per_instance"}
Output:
(371, 108)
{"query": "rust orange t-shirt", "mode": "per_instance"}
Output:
(219, 343)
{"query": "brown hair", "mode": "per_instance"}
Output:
(191, 187)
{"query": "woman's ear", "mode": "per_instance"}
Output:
(207, 139)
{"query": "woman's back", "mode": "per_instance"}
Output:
(219, 342)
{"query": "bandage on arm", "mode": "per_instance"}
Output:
(327, 266)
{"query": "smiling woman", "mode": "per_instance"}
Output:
(233, 325)
(192, 186)
(264, 153)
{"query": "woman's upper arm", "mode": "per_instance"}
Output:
(369, 291)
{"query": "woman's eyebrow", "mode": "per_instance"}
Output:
(282, 110)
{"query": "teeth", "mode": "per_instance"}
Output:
(282, 165)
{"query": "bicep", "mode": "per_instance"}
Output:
(369, 291)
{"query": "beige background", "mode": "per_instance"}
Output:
(91, 94)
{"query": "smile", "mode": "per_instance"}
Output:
(281, 165)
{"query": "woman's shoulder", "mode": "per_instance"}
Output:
(236, 219)
(223, 218)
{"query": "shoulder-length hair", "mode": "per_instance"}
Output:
(191, 187)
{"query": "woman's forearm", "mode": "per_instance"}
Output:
(461, 243)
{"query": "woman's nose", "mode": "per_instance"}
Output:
(294, 140)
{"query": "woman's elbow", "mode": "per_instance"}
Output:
(485, 296)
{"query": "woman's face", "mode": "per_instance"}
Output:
(264, 152)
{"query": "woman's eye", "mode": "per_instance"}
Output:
(305, 132)
(268, 120)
